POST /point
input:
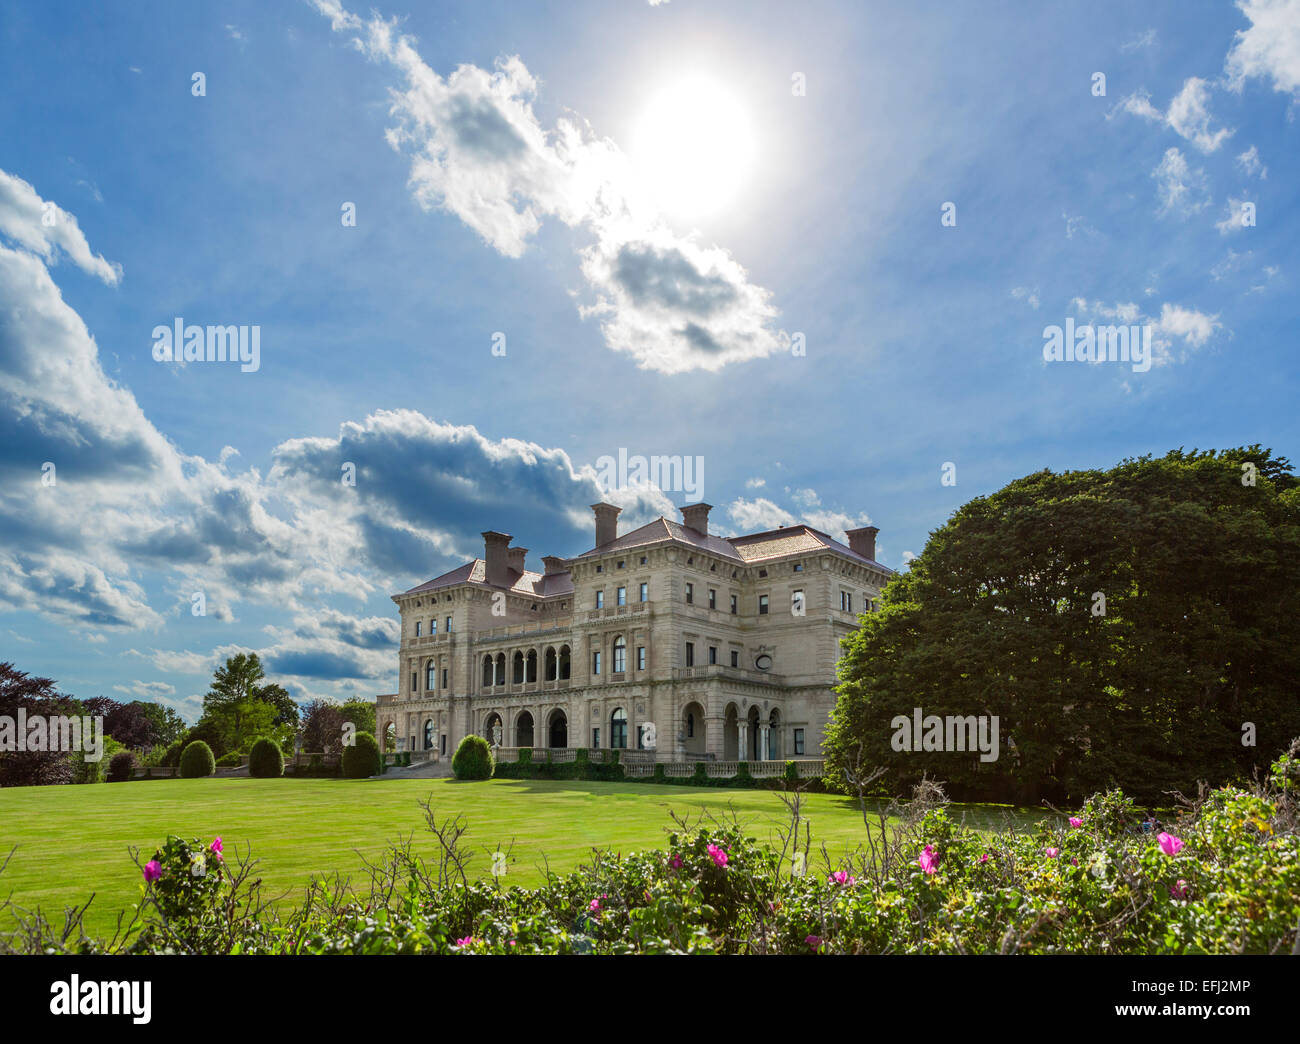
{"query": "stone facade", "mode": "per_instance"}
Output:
(667, 639)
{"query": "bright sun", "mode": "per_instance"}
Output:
(694, 146)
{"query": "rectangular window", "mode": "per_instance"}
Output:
(798, 741)
(595, 738)
(640, 657)
(417, 628)
(645, 592)
(797, 606)
(734, 605)
(449, 625)
(762, 605)
(713, 654)
(600, 599)
(713, 598)
(444, 677)
(621, 598)
(690, 654)
(415, 681)
(735, 658)
(690, 594)
(595, 662)
(798, 567)
(620, 657)
(443, 748)
(433, 626)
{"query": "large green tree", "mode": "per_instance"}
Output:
(243, 705)
(1124, 626)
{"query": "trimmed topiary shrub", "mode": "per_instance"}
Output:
(197, 760)
(265, 760)
(120, 766)
(361, 759)
(473, 759)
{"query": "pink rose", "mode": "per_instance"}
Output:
(1053, 852)
(1076, 822)
(152, 871)
(1169, 844)
(927, 860)
(719, 856)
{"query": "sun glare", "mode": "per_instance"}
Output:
(694, 146)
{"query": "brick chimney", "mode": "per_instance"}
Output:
(496, 556)
(516, 559)
(863, 541)
(696, 517)
(553, 565)
(606, 523)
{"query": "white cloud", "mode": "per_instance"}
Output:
(1180, 187)
(1189, 116)
(1270, 48)
(1250, 164)
(755, 483)
(1195, 328)
(1146, 38)
(759, 514)
(43, 228)
(1234, 212)
(1023, 293)
(478, 151)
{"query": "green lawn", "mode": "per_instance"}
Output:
(72, 840)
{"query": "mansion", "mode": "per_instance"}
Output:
(668, 639)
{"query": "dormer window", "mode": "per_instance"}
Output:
(762, 572)
(620, 564)
(798, 567)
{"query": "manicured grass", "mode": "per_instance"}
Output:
(72, 840)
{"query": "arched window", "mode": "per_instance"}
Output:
(431, 680)
(531, 675)
(551, 663)
(690, 726)
(618, 729)
(519, 668)
(620, 654)
(501, 669)
(487, 669)
(564, 663)
(428, 734)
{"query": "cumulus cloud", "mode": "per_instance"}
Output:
(1270, 48)
(120, 508)
(45, 229)
(1175, 331)
(478, 151)
(761, 513)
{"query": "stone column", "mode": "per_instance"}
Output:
(742, 748)
(763, 749)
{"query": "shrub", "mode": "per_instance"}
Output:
(197, 760)
(230, 760)
(701, 776)
(265, 760)
(473, 759)
(362, 759)
(791, 772)
(661, 772)
(172, 757)
(121, 766)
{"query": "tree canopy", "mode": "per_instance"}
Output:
(1137, 627)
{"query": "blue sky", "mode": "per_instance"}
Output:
(495, 155)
